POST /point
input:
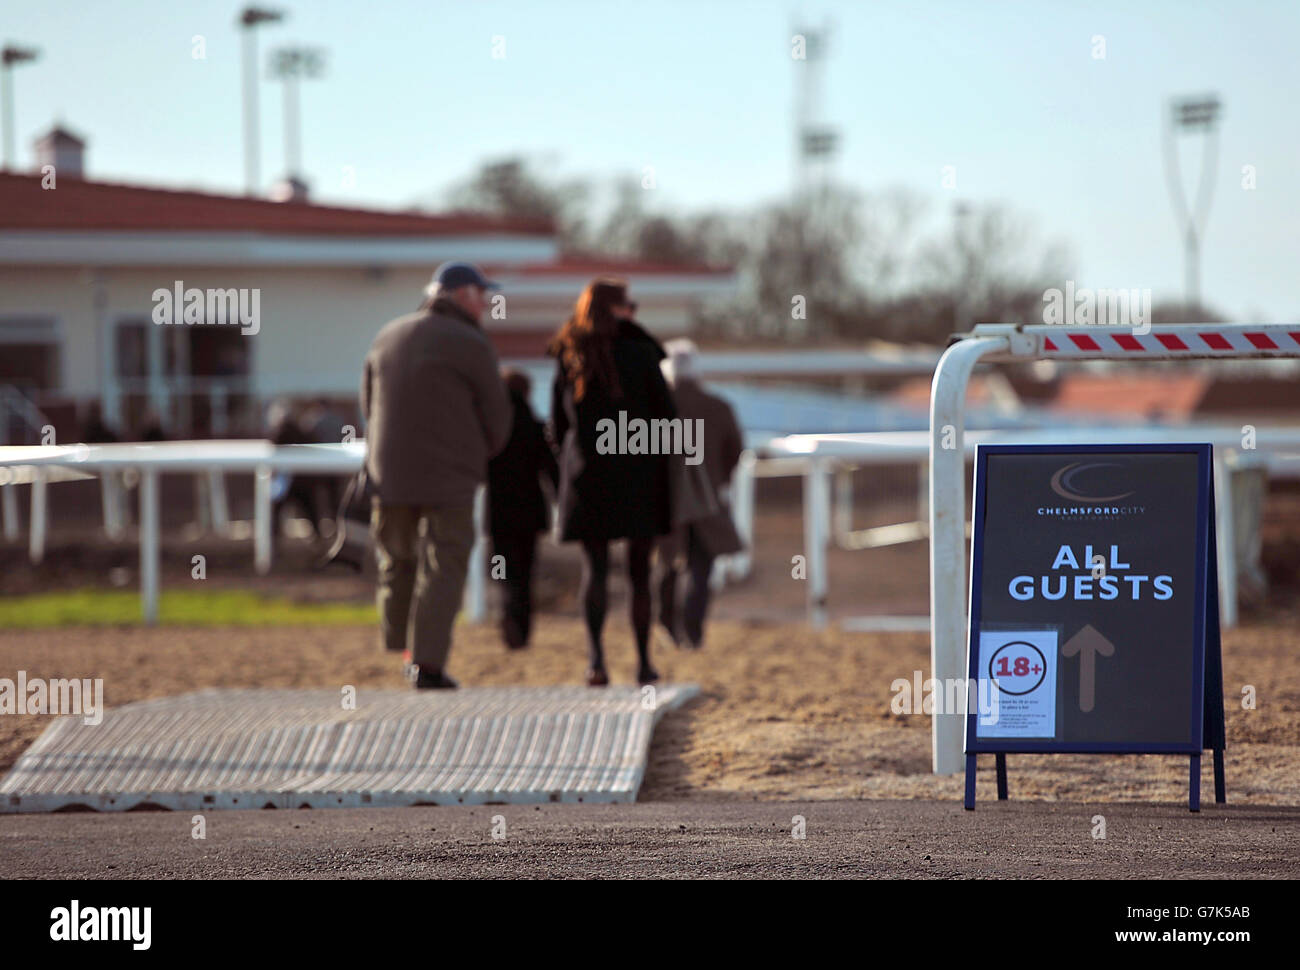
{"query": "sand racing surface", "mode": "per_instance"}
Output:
(785, 712)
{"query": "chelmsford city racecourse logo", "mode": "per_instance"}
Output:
(1095, 489)
(211, 307)
(59, 696)
(1083, 307)
(656, 436)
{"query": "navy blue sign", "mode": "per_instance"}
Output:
(1094, 605)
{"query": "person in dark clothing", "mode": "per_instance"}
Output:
(518, 508)
(96, 430)
(284, 427)
(322, 425)
(151, 427)
(612, 486)
(701, 541)
(435, 412)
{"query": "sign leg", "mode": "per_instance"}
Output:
(1214, 720)
(1194, 784)
(970, 782)
(1002, 776)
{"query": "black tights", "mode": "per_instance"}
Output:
(595, 595)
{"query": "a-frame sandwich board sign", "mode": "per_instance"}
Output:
(1094, 612)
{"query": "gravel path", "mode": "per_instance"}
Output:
(916, 839)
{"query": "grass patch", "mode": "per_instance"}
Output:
(92, 607)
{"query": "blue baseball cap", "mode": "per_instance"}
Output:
(452, 275)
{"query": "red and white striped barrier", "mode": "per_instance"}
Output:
(1165, 341)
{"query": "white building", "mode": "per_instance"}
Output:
(82, 261)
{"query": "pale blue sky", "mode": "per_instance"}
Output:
(703, 91)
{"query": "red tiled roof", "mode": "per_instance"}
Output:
(593, 265)
(77, 204)
(1136, 395)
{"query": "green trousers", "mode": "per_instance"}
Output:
(423, 556)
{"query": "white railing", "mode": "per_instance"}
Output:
(210, 462)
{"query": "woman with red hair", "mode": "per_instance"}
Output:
(607, 370)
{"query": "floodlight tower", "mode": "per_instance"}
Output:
(1192, 115)
(10, 56)
(815, 141)
(249, 19)
(289, 65)
(815, 144)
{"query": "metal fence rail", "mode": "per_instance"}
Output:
(210, 462)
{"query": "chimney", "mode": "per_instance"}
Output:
(62, 149)
(289, 189)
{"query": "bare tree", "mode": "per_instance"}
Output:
(832, 265)
(510, 187)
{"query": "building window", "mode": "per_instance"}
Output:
(31, 354)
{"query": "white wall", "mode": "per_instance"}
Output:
(315, 326)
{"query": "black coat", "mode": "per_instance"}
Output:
(516, 502)
(616, 495)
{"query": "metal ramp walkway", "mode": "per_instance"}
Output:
(270, 748)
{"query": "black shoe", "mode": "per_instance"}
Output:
(646, 675)
(597, 677)
(425, 679)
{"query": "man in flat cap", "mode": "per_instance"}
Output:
(436, 411)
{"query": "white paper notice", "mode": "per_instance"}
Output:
(1020, 667)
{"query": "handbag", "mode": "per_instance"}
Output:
(690, 491)
(695, 504)
(352, 524)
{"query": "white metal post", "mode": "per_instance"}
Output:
(843, 501)
(1225, 528)
(110, 493)
(149, 540)
(9, 508)
(262, 524)
(36, 536)
(816, 518)
(948, 536)
(220, 512)
(475, 598)
(742, 513)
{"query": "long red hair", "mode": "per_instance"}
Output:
(585, 342)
